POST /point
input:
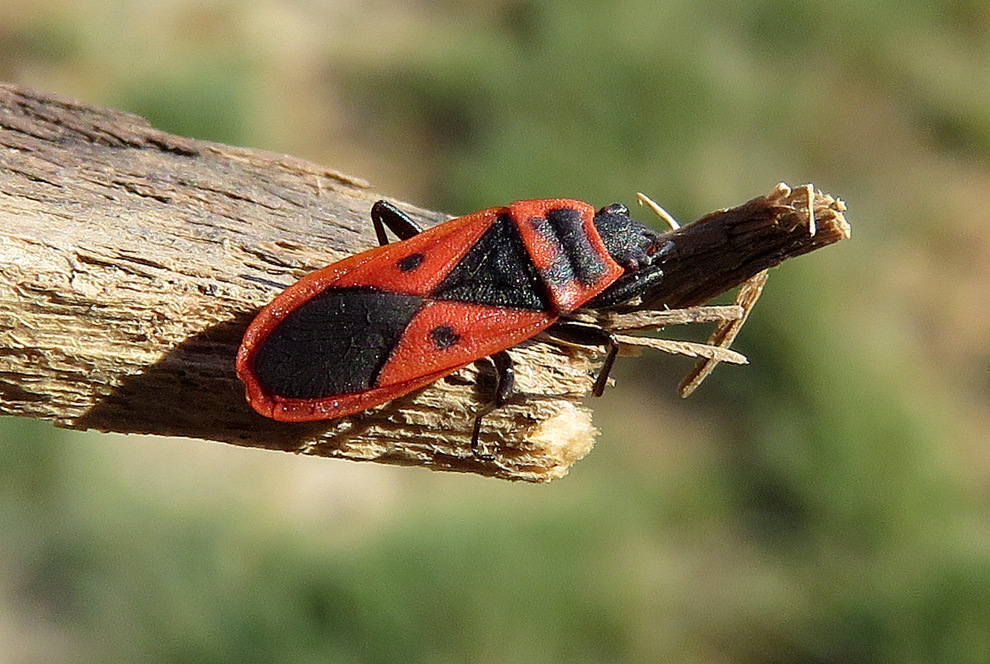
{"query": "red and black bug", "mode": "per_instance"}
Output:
(395, 318)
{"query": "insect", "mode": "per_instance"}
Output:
(385, 322)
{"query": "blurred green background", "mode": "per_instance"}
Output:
(828, 503)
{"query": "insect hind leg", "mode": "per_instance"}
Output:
(505, 378)
(384, 214)
(583, 334)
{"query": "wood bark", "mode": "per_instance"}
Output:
(132, 260)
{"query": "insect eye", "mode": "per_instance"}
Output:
(615, 208)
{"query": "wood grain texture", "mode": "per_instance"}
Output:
(132, 260)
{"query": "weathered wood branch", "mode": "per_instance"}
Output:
(131, 261)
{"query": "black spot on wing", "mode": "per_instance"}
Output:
(444, 337)
(410, 262)
(497, 272)
(337, 343)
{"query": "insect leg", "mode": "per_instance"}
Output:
(385, 214)
(627, 287)
(505, 378)
(583, 334)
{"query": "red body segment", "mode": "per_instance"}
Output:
(441, 247)
(444, 332)
(482, 331)
(569, 295)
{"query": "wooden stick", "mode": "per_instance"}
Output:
(131, 261)
(725, 332)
